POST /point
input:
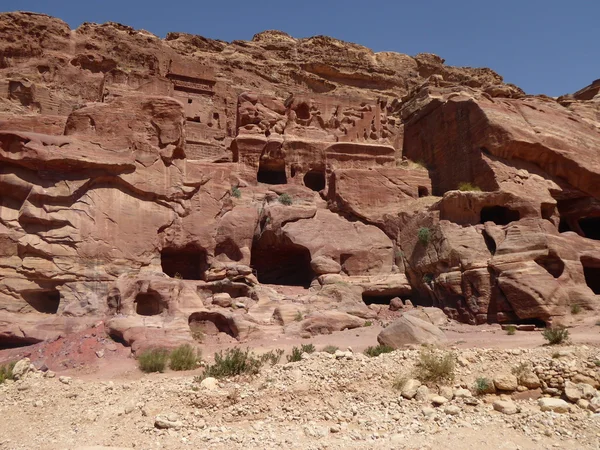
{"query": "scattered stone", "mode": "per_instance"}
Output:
(168, 420)
(210, 383)
(64, 379)
(438, 400)
(409, 390)
(505, 407)
(506, 382)
(554, 404)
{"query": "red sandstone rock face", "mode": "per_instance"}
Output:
(160, 184)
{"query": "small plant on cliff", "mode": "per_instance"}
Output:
(184, 357)
(424, 235)
(368, 323)
(510, 330)
(235, 192)
(556, 336)
(273, 357)
(234, 362)
(295, 356)
(153, 360)
(468, 187)
(285, 199)
(374, 351)
(575, 308)
(298, 317)
(6, 372)
(483, 385)
(433, 367)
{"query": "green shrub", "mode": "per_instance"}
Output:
(273, 357)
(575, 308)
(184, 357)
(235, 192)
(330, 349)
(295, 356)
(511, 330)
(483, 386)
(234, 362)
(368, 323)
(435, 368)
(308, 348)
(6, 372)
(374, 351)
(285, 199)
(468, 187)
(424, 235)
(298, 317)
(153, 360)
(556, 336)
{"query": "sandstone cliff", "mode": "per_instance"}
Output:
(159, 184)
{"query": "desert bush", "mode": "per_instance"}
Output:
(233, 362)
(308, 348)
(273, 357)
(298, 317)
(235, 192)
(435, 368)
(399, 382)
(556, 336)
(521, 369)
(295, 356)
(424, 235)
(330, 349)
(468, 187)
(511, 330)
(368, 323)
(483, 385)
(184, 357)
(575, 308)
(377, 350)
(6, 372)
(153, 360)
(285, 199)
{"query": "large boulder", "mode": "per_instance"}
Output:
(409, 330)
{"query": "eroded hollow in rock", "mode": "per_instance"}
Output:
(43, 301)
(279, 262)
(592, 277)
(380, 299)
(590, 226)
(188, 263)
(210, 323)
(271, 172)
(149, 304)
(315, 180)
(500, 215)
(552, 263)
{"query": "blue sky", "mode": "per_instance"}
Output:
(544, 46)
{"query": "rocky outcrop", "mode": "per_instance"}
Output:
(160, 184)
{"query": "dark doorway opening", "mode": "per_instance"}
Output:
(315, 180)
(538, 323)
(43, 301)
(592, 278)
(149, 304)
(279, 262)
(552, 263)
(303, 111)
(563, 225)
(423, 191)
(271, 173)
(188, 263)
(210, 323)
(377, 299)
(590, 226)
(500, 215)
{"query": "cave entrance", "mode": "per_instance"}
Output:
(43, 301)
(209, 323)
(149, 304)
(188, 263)
(278, 262)
(380, 299)
(500, 215)
(315, 180)
(590, 226)
(271, 172)
(592, 277)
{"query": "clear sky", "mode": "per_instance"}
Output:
(543, 46)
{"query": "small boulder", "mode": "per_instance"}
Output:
(396, 304)
(506, 407)
(408, 330)
(572, 392)
(556, 405)
(169, 420)
(409, 390)
(209, 383)
(530, 380)
(322, 265)
(452, 410)
(506, 382)
(422, 393)
(438, 400)
(222, 299)
(21, 368)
